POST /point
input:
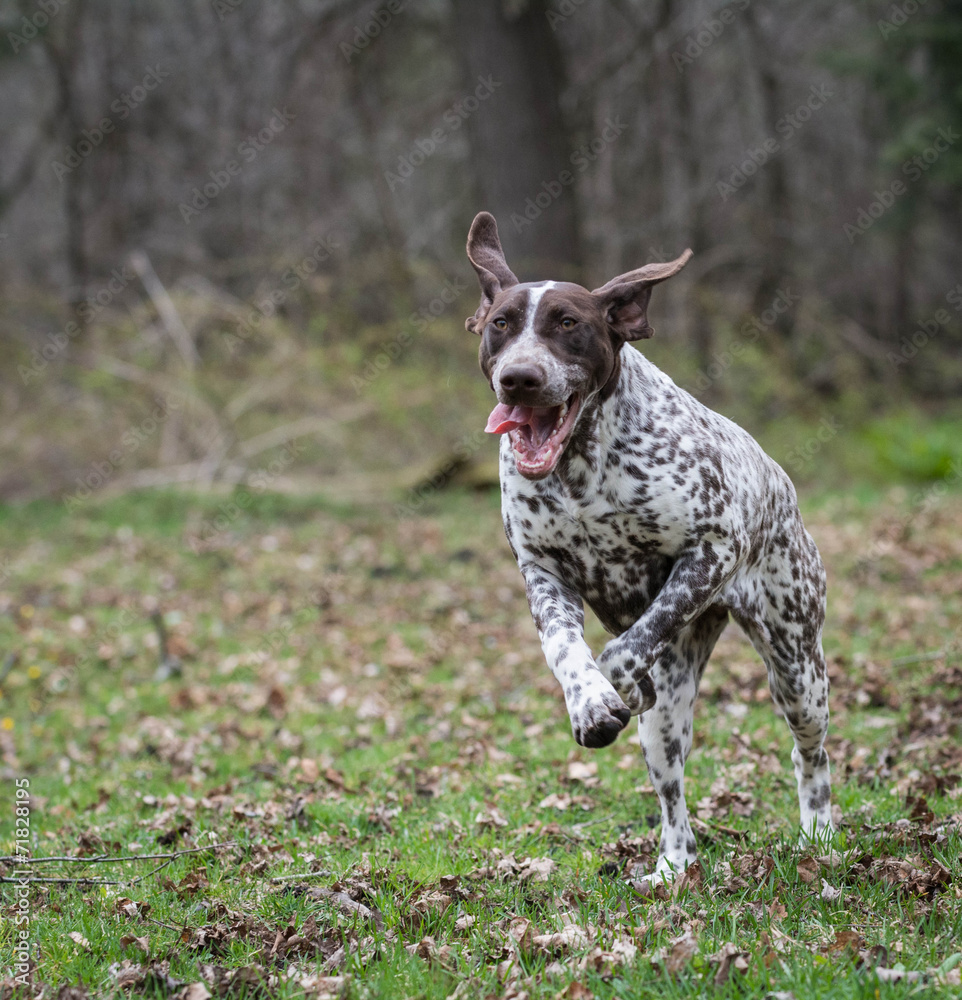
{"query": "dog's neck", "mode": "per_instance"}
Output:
(617, 410)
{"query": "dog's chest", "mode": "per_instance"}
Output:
(617, 559)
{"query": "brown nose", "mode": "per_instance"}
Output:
(522, 378)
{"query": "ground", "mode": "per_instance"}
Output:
(354, 733)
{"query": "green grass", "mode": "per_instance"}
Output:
(364, 698)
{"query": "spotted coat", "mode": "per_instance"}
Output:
(663, 516)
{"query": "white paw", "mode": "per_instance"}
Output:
(598, 718)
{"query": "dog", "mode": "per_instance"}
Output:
(621, 490)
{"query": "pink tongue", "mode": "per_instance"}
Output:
(507, 418)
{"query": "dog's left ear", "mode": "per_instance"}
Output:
(624, 300)
(487, 258)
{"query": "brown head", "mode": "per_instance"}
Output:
(549, 348)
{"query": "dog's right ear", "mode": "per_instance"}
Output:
(487, 258)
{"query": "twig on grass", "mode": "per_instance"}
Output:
(104, 859)
(66, 881)
(297, 875)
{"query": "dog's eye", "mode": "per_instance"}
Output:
(501, 323)
(568, 323)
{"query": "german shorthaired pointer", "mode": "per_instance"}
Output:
(620, 489)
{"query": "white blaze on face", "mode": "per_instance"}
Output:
(526, 348)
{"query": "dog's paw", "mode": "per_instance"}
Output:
(598, 721)
(619, 664)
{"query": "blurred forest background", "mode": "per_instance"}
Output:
(231, 232)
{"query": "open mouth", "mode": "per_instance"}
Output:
(537, 433)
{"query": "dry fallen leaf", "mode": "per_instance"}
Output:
(583, 771)
(728, 957)
(536, 870)
(490, 818)
(829, 893)
(195, 991)
(808, 870)
(141, 942)
(568, 939)
(575, 991)
(79, 939)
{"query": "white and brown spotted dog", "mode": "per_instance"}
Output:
(620, 489)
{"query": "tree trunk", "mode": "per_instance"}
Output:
(519, 141)
(776, 216)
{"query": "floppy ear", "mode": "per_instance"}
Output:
(487, 258)
(624, 300)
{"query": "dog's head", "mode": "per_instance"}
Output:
(549, 347)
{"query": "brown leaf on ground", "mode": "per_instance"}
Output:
(605, 961)
(807, 869)
(727, 958)
(154, 978)
(585, 772)
(347, 905)
(692, 879)
(432, 903)
(677, 955)
(142, 943)
(724, 802)
(194, 991)
(520, 932)
(536, 870)
(68, 992)
(849, 941)
(919, 811)
(570, 938)
(130, 908)
(191, 884)
(324, 987)
(914, 876)
(575, 991)
(79, 940)
(490, 818)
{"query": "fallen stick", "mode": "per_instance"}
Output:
(104, 859)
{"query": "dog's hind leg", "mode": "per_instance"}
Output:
(666, 733)
(788, 635)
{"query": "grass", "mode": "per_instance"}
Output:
(363, 698)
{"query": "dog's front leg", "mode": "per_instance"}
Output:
(694, 581)
(597, 713)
